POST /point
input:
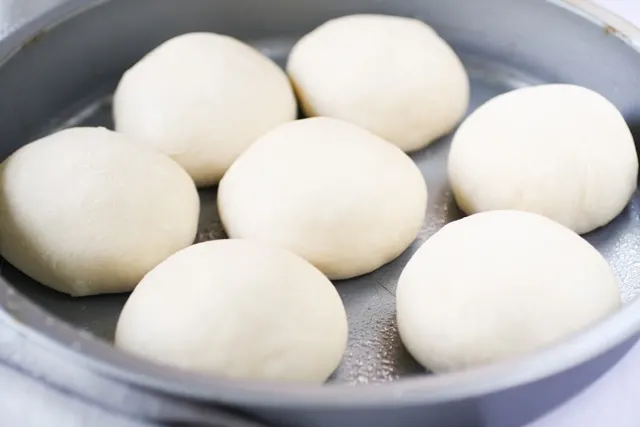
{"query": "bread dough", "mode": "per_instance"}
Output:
(559, 150)
(497, 285)
(391, 75)
(342, 198)
(203, 98)
(238, 309)
(87, 211)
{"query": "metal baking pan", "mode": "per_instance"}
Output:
(58, 67)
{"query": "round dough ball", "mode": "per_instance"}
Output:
(239, 309)
(87, 211)
(559, 150)
(342, 198)
(203, 98)
(498, 285)
(393, 76)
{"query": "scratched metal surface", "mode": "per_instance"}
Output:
(375, 353)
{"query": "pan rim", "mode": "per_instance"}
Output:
(79, 348)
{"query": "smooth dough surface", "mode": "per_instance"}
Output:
(238, 309)
(342, 198)
(203, 98)
(87, 211)
(498, 285)
(391, 75)
(562, 151)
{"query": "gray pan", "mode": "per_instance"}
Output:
(60, 61)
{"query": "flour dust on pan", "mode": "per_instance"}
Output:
(375, 353)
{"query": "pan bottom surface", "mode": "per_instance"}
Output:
(375, 353)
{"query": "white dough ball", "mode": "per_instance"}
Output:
(498, 285)
(238, 309)
(342, 198)
(203, 98)
(87, 211)
(559, 150)
(391, 75)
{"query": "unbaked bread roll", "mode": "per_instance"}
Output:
(238, 309)
(87, 211)
(559, 150)
(203, 98)
(342, 198)
(391, 75)
(497, 285)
